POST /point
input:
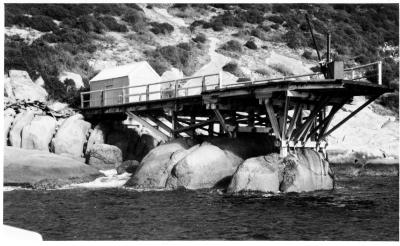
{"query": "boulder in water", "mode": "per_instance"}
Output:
(104, 156)
(20, 121)
(39, 132)
(9, 115)
(257, 174)
(306, 171)
(44, 170)
(155, 166)
(98, 135)
(71, 136)
(204, 167)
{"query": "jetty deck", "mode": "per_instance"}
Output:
(296, 110)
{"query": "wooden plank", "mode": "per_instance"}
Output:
(296, 114)
(194, 126)
(349, 116)
(284, 119)
(222, 121)
(160, 123)
(310, 118)
(272, 118)
(151, 128)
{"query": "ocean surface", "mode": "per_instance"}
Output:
(360, 208)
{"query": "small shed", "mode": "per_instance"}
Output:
(119, 84)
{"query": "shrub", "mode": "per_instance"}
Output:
(112, 24)
(276, 19)
(295, 39)
(134, 18)
(281, 68)
(263, 72)
(200, 38)
(258, 33)
(42, 23)
(232, 45)
(161, 28)
(88, 23)
(265, 28)
(307, 54)
(251, 45)
(230, 67)
(275, 26)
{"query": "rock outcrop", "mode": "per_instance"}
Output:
(44, 170)
(71, 137)
(104, 156)
(38, 133)
(204, 167)
(22, 119)
(260, 173)
(304, 171)
(98, 135)
(157, 164)
(19, 86)
(9, 115)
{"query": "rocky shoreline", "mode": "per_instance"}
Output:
(51, 145)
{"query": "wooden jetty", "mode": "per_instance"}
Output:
(296, 110)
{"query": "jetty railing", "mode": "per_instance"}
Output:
(196, 85)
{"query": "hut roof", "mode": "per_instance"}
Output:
(119, 71)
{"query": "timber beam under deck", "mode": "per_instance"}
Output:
(296, 113)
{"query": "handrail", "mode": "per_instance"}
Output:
(174, 90)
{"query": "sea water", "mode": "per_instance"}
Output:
(359, 208)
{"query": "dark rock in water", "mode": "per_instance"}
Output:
(129, 166)
(104, 156)
(44, 170)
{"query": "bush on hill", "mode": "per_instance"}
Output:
(161, 28)
(232, 46)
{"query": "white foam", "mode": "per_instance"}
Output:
(11, 188)
(111, 180)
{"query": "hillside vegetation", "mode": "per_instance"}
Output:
(72, 35)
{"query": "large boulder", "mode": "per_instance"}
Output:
(260, 173)
(9, 115)
(71, 136)
(157, 164)
(306, 171)
(98, 135)
(44, 170)
(21, 120)
(20, 86)
(39, 132)
(104, 156)
(204, 167)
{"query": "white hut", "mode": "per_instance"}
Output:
(113, 79)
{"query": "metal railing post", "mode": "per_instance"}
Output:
(203, 84)
(81, 100)
(147, 92)
(176, 88)
(123, 96)
(380, 72)
(219, 80)
(103, 98)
